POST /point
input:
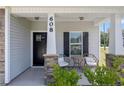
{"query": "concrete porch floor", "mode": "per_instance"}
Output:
(35, 77)
(31, 77)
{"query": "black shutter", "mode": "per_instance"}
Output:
(66, 44)
(85, 43)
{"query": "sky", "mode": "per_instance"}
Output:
(122, 23)
(104, 27)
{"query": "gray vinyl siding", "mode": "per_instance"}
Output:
(19, 45)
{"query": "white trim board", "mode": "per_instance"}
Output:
(32, 49)
(37, 67)
(7, 45)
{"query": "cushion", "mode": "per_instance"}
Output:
(61, 62)
(90, 61)
(61, 59)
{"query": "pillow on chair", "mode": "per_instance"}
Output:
(61, 62)
(61, 59)
(90, 61)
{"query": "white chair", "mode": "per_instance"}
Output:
(91, 60)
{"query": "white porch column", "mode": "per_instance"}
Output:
(7, 45)
(51, 34)
(115, 36)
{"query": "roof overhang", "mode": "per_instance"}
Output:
(70, 9)
(95, 14)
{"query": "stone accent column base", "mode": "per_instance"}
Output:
(50, 60)
(2, 73)
(2, 46)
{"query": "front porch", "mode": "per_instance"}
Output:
(70, 31)
(33, 35)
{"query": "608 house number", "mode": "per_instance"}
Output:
(51, 24)
(51, 29)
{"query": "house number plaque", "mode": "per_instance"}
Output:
(51, 24)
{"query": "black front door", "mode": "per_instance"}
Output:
(39, 48)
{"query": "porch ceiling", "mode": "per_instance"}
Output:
(68, 9)
(65, 16)
(67, 13)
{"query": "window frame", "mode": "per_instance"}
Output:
(80, 44)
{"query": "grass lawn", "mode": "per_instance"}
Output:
(102, 60)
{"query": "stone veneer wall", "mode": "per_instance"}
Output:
(50, 60)
(2, 47)
(109, 59)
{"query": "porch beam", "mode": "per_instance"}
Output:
(97, 22)
(115, 36)
(70, 9)
(51, 34)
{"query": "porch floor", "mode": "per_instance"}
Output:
(31, 77)
(83, 81)
(35, 77)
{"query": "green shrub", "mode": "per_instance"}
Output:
(63, 77)
(117, 61)
(101, 76)
(122, 81)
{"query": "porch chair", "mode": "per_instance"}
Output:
(78, 61)
(91, 60)
(62, 62)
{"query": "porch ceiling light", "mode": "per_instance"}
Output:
(36, 18)
(81, 18)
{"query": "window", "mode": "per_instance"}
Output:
(38, 38)
(75, 43)
(75, 37)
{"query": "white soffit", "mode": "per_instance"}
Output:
(64, 16)
(67, 13)
(70, 9)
